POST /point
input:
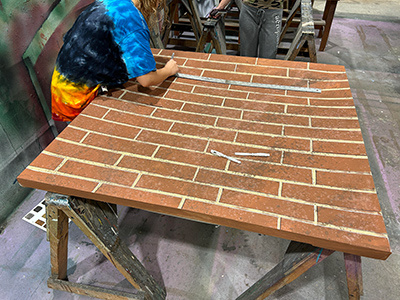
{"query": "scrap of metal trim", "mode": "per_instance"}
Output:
(251, 84)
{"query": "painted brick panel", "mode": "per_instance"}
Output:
(157, 167)
(98, 173)
(268, 204)
(339, 148)
(149, 148)
(47, 161)
(235, 180)
(334, 197)
(327, 162)
(119, 144)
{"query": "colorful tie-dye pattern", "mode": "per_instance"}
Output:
(108, 44)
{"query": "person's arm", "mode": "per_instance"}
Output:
(223, 4)
(158, 76)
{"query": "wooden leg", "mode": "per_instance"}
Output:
(98, 221)
(57, 235)
(354, 275)
(298, 259)
(329, 12)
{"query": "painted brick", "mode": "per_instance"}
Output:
(181, 87)
(210, 65)
(189, 97)
(282, 63)
(140, 98)
(329, 85)
(277, 98)
(125, 106)
(229, 216)
(361, 221)
(157, 167)
(72, 134)
(345, 180)
(329, 196)
(172, 140)
(323, 134)
(47, 161)
(95, 111)
(320, 75)
(263, 168)
(261, 70)
(82, 152)
(191, 158)
(140, 92)
(201, 131)
(190, 71)
(110, 128)
(325, 67)
(98, 173)
(275, 118)
(254, 105)
(339, 148)
(138, 121)
(220, 92)
(365, 245)
(65, 185)
(332, 102)
(247, 183)
(118, 144)
(142, 199)
(268, 204)
(228, 76)
(233, 59)
(249, 126)
(334, 123)
(184, 117)
(322, 111)
(327, 162)
(274, 142)
(183, 188)
(279, 81)
(212, 111)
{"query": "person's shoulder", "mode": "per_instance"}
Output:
(120, 6)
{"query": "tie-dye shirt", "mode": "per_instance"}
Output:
(108, 44)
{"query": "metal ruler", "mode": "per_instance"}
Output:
(252, 84)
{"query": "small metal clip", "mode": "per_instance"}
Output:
(225, 156)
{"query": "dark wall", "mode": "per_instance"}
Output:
(30, 37)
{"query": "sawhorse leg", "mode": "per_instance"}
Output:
(354, 276)
(298, 259)
(98, 221)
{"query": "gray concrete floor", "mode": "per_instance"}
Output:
(200, 261)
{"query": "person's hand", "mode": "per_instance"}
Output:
(171, 67)
(213, 13)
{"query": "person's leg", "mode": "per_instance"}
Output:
(270, 33)
(248, 29)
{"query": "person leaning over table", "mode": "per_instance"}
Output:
(260, 23)
(108, 44)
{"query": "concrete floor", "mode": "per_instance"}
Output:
(200, 261)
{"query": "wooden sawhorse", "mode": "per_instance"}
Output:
(305, 33)
(98, 221)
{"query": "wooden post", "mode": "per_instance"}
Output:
(98, 221)
(57, 235)
(298, 259)
(354, 275)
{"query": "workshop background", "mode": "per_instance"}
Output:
(364, 38)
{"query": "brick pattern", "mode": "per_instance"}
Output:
(150, 149)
